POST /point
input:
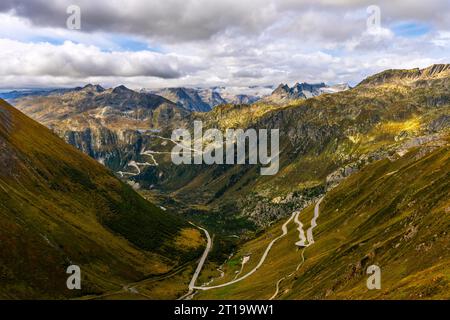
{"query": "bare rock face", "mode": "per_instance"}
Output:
(189, 98)
(439, 124)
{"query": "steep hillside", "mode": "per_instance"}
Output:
(60, 207)
(393, 213)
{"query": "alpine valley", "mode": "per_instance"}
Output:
(364, 179)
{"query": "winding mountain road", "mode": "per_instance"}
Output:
(277, 289)
(200, 263)
(301, 243)
(301, 233)
(309, 232)
(151, 153)
(260, 263)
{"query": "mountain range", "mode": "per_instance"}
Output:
(205, 99)
(191, 99)
(377, 153)
(283, 93)
(200, 99)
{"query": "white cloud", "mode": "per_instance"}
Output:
(80, 61)
(208, 43)
(442, 39)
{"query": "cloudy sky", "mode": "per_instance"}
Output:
(150, 43)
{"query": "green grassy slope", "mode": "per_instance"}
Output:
(60, 207)
(394, 213)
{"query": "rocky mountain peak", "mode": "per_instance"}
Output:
(121, 89)
(282, 88)
(187, 98)
(93, 88)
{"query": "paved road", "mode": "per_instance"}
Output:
(309, 232)
(200, 263)
(152, 279)
(202, 259)
(301, 233)
(261, 261)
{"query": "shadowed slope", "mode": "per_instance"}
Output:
(60, 207)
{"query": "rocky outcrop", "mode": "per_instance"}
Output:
(439, 124)
(262, 211)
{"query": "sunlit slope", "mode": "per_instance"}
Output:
(393, 213)
(60, 207)
(318, 136)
